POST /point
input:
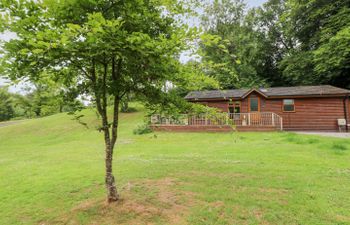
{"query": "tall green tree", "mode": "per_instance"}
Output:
(281, 43)
(102, 48)
(321, 53)
(276, 39)
(230, 47)
(6, 105)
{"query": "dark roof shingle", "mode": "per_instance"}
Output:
(270, 92)
(236, 93)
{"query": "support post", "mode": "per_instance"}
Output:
(281, 121)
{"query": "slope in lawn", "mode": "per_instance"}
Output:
(52, 172)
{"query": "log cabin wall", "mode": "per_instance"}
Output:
(313, 114)
(318, 114)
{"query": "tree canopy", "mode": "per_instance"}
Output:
(6, 105)
(281, 43)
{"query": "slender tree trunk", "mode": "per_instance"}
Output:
(112, 193)
(101, 104)
(125, 105)
(110, 181)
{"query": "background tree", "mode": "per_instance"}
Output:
(102, 48)
(6, 105)
(321, 29)
(276, 39)
(46, 97)
(230, 46)
(281, 43)
(22, 106)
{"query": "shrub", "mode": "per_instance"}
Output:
(142, 129)
(128, 110)
(339, 146)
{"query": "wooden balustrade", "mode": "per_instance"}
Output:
(255, 119)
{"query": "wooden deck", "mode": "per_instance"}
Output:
(211, 128)
(223, 122)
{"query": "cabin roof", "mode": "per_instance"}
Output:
(322, 90)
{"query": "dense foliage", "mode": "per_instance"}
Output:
(38, 100)
(284, 42)
(6, 105)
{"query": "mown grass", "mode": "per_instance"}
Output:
(52, 172)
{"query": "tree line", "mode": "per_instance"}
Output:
(281, 43)
(37, 101)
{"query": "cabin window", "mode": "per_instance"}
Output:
(237, 107)
(231, 109)
(254, 104)
(288, 105)
(234, 107)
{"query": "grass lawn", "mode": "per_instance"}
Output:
(52, 172)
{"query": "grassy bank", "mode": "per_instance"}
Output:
(52, 172)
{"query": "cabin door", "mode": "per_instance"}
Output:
(254, 110)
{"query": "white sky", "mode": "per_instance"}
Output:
(184, 57)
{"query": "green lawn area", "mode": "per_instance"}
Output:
(52, 172)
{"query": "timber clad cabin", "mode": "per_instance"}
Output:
(303, 108)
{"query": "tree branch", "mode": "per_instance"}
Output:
(99, 105)
(115, 77)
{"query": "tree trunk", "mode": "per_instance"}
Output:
(100, 91)
(125, 105)
(110, 181)
(112, 194)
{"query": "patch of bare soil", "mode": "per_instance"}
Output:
(342, 219)
(221, 175)
(273, 194)
(274, 191)
(125, 141)
(142, 202)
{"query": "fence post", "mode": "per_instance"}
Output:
(249, 119)
(273, 119)
(281, 121)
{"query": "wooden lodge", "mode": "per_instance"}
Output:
(302, 108)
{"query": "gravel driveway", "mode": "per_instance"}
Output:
(327, 134)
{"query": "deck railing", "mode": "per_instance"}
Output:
(258, 119)
(263, 119)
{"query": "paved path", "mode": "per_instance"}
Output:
(5, 124)
(327, 134)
